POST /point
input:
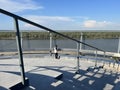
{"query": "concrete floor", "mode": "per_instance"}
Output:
(42, 70)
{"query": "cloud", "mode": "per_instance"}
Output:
(96, 24)
(45, 19)
(50, 21)
(69, 23)
(89, 23)
(81, 17)
(18, 6)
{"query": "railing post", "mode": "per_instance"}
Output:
(21, 36)
(104, 61)
(84, 42)
(118, 66)
(119, 45)
(114, 64)
(96, 58)
(78, 48)
(18, 39)
(109, 63)
(50, 43)
(81, 39)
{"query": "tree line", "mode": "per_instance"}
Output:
(46, 35)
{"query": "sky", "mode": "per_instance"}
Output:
(63, 14)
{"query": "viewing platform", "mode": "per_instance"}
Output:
(75, 69)
(42, 70)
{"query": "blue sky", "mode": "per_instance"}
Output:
(64, 14)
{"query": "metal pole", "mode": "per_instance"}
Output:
(118, 67)
(78, 48)
(55, 43)
(119, 45)
(84, 41)
(109, 63)
(50, 44)
(18, 39)
(104, 61)
(114, 64)
(81, 39)
(21, 40)
(96, 58)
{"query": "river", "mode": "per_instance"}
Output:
(104, 44)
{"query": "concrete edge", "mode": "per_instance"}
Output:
(59, 76)
(19, 85)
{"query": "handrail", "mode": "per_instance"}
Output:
(45, 28)
(21, 62)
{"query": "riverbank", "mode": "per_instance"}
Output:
(42, 35)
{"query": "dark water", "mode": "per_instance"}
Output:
(104, 44)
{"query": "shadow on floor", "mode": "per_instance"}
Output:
(98, 79)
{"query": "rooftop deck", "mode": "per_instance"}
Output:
(43, 69)
(46, 73)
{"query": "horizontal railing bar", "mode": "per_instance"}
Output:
(45, 28)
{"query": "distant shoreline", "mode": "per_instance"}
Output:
(45, 35)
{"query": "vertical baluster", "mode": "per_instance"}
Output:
(95, 58)
(18, 39)
(109, 64)
(114, 63)
(21, 36)
(50, 44)
(119, 45)
(81, 39)
(104, 58)
(118, 66)
(78, 64)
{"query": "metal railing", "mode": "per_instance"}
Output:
(45, 28)
(16, 18)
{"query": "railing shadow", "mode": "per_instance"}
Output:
(99, 80)
(3, 88)
(95, 80)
